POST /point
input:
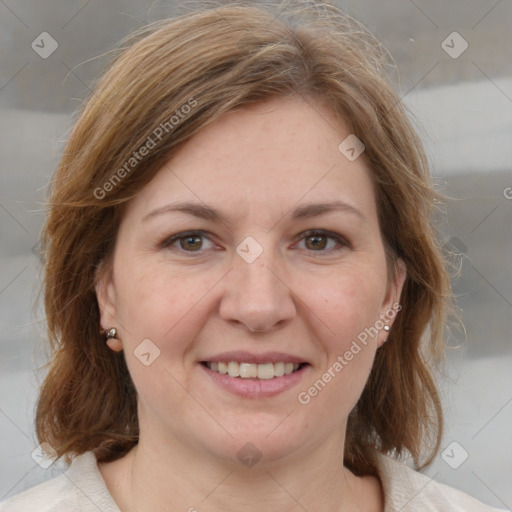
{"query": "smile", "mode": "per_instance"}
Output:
(252, 375)
(264, 371)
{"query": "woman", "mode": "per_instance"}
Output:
(240, 269)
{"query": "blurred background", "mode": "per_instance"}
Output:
(454, 63)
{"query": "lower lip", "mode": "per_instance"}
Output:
(256, 388)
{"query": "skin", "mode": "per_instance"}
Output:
(255, 166)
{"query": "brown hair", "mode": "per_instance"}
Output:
(217, 60)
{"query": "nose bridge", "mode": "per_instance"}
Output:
(255, 296)
(258, 281)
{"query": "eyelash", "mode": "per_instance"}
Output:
(341, 241)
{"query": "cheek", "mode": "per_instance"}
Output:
(346, 307)
(347, 301)
(158, 303)
(141, 300)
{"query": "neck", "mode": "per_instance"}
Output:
(157, 476)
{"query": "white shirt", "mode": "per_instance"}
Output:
(82, 489)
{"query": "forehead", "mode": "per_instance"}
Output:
(263, 160)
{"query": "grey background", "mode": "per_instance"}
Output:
(463, 109)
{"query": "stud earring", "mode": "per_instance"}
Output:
(387, 329)
(110, 336)
(109, 333)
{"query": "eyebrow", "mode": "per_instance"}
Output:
(308, 211)
(315, 209)
(195, 209)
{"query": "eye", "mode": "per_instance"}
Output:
(321, 241)
(190, 241)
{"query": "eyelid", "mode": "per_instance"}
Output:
(340, 240)
(167, 243)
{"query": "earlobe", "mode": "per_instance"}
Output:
(391, 305)
(112, 340)
(106, 297)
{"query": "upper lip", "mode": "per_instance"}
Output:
(250, 357)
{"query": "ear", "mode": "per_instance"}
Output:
(106, 297)
(391, 304)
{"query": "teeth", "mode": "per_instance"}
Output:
(266, 371)
(233, 369)
(263, 371)
(248, 371)
(278, 369)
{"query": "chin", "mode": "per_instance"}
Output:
(260, 438)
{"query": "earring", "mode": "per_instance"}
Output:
(387, 329)
(110, 336)
(109, 333)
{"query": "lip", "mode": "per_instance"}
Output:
(241, 356)
(256, 388)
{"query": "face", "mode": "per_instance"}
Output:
(255, 250)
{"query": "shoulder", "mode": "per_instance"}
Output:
(406, 490)
(80, 488)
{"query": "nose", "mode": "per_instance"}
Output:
(256, 297)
